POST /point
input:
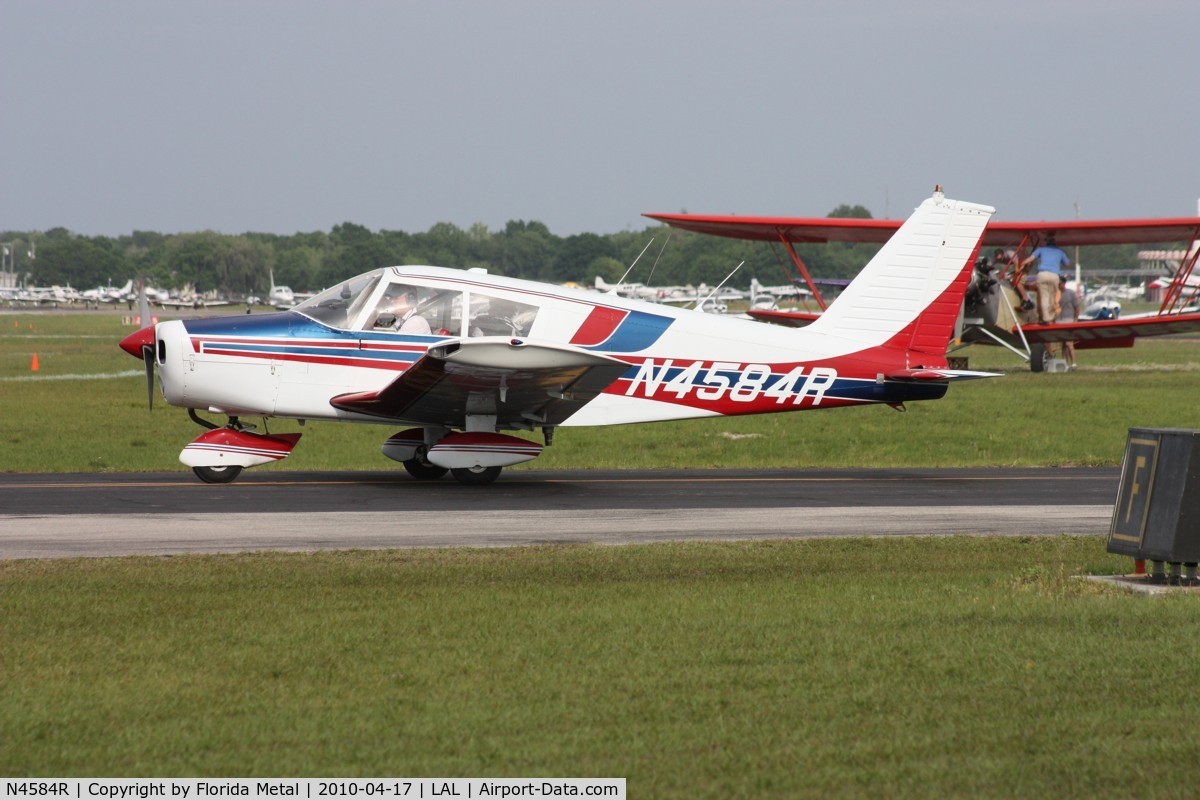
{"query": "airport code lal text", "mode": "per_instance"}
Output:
(192, 788)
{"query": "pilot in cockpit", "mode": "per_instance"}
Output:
(399, 309)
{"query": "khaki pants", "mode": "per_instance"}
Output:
(1047, 291)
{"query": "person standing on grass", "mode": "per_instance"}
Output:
(1068, 311)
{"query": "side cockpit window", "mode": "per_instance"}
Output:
(499, 316)
(417, 310)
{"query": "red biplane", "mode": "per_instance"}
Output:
(992, 307)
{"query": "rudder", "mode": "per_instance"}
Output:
(911, 291)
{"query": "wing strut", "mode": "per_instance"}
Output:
(812, 287)
(1173, 299)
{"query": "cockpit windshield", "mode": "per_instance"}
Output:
(339, 305)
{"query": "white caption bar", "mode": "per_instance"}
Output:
(209, 788)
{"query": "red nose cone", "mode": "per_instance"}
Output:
(134, 342)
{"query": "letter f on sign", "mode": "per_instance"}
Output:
(1136, 488)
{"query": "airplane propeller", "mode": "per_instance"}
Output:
(148, 357)
(141, 343)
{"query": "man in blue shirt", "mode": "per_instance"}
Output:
(1050, 259)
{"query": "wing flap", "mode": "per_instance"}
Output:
(521, 383)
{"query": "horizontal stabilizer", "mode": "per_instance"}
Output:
(922, 374)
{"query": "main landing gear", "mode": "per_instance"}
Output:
(473, 457)
(422, 469)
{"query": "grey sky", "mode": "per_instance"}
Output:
(296, 115)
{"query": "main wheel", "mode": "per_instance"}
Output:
(476, 476)
(1039, 354)
(422, 470)
(217, 474)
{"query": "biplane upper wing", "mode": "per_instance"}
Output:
(998, 234)
(522, 383)
(1087, 333)
(793, 229)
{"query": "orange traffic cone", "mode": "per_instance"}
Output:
(34, 366)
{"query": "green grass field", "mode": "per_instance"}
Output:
(920, 667)
(899, 668)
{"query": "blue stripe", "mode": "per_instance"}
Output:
(637, 331)
(288, 324)
(388, 356)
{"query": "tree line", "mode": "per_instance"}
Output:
(239, 265)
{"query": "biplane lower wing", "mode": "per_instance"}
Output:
(1087, 334)
(521, 383)
(1098, 333)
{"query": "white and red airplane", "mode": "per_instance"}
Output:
(461, 355)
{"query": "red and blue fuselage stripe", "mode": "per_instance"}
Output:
(293, 337)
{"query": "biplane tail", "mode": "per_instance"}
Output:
(910, 294)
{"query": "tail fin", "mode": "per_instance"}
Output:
(911, 292)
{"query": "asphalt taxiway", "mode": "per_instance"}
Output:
(113, 514)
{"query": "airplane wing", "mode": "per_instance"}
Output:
(1097, 333)
(522, 383)
(1086, 334)
(998, 234)
(793, 229)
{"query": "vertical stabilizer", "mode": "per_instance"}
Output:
(916, 283)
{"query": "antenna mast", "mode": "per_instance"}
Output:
(701, 303)
(631, 266)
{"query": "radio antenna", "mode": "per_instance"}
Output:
(701, 303)
(661, 250)
(631, 266)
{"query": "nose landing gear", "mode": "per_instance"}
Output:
(220, 454)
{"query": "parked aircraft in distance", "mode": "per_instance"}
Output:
(458, 356)
(188, 297)
(991, 309)
(283, 297)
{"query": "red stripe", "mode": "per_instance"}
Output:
(337, 361)
(932, 330)
(599, 325)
